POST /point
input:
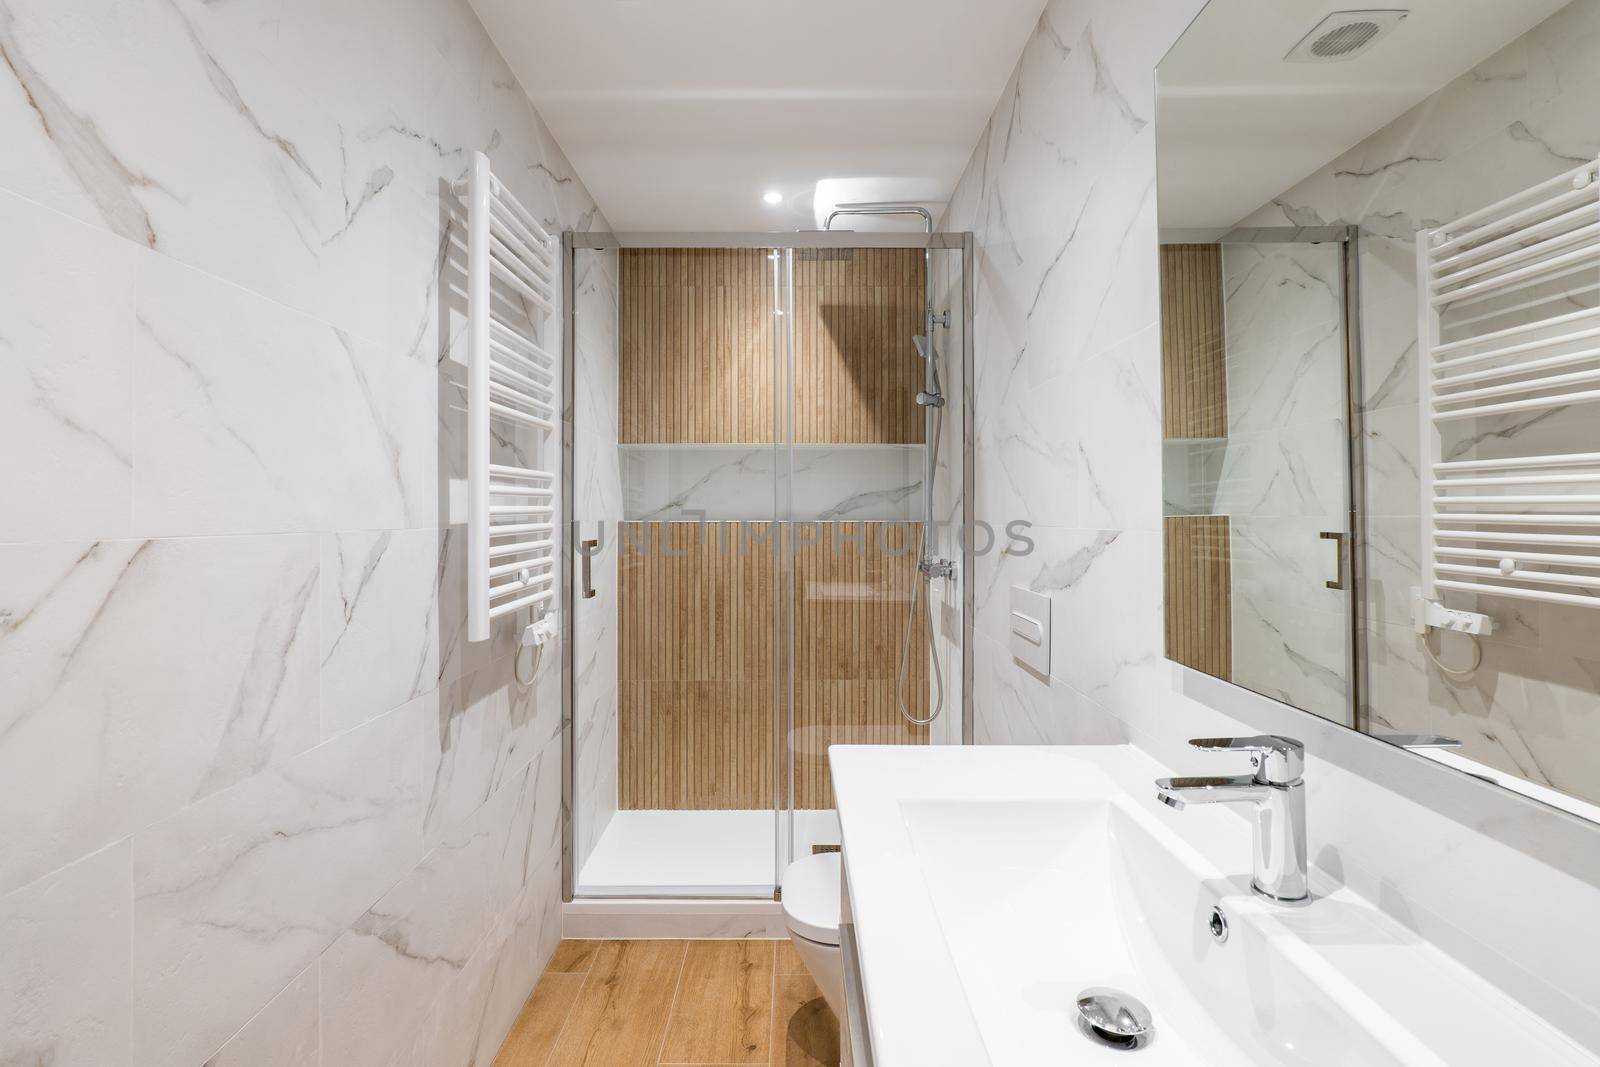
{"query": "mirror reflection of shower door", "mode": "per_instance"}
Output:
(1257, 498)
(676, 660)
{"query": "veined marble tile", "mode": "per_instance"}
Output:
(727, 482)
(235, 895)
(380, 622)
(1293, 655)
(144, 676)
(1117, 409)
(1284, 311)
(285, 1033)
(382, 976)
(64, 971)
(252, 418)
(478, 734)
(67, 323)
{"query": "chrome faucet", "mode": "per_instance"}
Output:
(1276, 791)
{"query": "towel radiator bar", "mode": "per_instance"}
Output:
(512, 380)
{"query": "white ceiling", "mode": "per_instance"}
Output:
(1236, 125)
(679, 114)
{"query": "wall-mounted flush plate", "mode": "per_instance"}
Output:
(1030, 629)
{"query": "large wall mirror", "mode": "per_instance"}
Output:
(1380, 320)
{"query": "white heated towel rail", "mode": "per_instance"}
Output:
(513, 381)
(1499, 337)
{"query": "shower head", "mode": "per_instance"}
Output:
(922, 344)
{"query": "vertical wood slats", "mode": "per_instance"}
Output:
(697, 346)
(697, 657)
(1194, 379)
(1199, 615)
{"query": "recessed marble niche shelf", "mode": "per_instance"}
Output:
(715, 482)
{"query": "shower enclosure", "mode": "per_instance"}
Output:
(759, 430)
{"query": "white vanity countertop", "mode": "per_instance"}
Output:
(921, 1013)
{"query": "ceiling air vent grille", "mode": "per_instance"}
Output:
(1343, 35)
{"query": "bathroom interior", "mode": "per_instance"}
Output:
(1033, 532)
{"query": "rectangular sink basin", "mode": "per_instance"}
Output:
(1038, 900)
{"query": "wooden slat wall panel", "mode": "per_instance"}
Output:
(1199, 614)
(696, 657)
(857, 372)
(697, 346)
(853, 583)
(1194, 380)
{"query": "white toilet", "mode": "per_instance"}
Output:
(811, 889)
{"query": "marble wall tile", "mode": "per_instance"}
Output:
(726, 482)
(240, 409)
(383, 975)
(64, 971)
(285, 1033)
(246, 323)
(380, 622)
(144, 676)
(479, 732)
(67, 323)
(1116, 413)
(234, 896)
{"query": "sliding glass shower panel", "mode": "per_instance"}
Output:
(675, 738)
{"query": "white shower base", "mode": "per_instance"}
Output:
(697, 853)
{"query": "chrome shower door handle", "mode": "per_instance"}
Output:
(586, 549)
(1339, 537)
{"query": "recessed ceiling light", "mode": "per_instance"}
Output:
(772, 196)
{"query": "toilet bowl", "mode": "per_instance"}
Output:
(811, 913)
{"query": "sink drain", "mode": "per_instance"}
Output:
(1114, 1019)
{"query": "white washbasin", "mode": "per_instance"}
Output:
(991, 888)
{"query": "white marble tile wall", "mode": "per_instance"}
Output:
(717, 483)
(265, 805)
(1060, 194)
(1521, 116)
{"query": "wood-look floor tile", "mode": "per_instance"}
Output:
(622, 1011)
(804, 1030)
(789, 961)
(723, 1012)
(572, 957)
(533, 1036)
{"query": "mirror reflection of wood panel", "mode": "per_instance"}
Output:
(1194, 386)
(1199, 598)
(1194, 377)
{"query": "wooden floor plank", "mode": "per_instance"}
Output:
(572, 957)
(723, 1012)
(789, 961)
(533, 1035)
(622, 1010)
(804, 1030)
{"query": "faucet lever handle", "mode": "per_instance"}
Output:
(1278, 760)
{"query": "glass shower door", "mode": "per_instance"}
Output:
(872, 643)
(676, 777)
